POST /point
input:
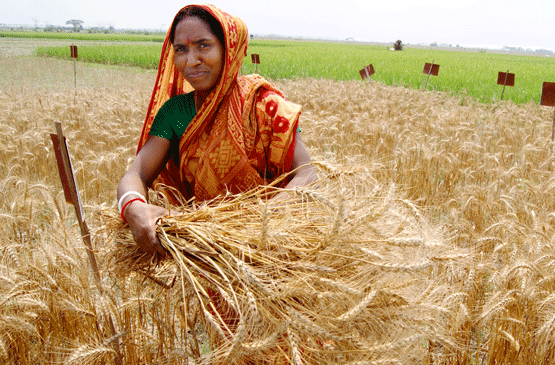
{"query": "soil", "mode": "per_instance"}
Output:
(19, 68)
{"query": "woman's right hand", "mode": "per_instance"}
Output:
(142, 218)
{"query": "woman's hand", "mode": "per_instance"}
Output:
(142, 218)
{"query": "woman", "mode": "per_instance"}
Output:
(230, 134)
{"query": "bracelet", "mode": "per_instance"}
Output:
(120, 202)
(126, 205)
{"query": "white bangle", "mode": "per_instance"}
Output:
(120, 202)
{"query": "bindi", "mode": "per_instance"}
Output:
(189, 41)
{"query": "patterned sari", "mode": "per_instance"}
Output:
(243, 136)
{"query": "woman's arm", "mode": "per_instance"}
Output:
(306, 174)
(143, 170)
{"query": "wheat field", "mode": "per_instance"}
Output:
(429, 238)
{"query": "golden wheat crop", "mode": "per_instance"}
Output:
(429, 239)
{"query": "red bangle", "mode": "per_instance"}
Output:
(126, 205)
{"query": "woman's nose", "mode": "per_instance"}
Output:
(193, 58)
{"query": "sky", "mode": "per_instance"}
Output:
(485, 23)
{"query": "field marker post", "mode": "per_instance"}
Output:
(256, 60)
(429, 72)
(367, 72)
(71, 194)
(505, 79)
(430, 69)
(74, 55)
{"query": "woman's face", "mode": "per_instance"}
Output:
(199, 55)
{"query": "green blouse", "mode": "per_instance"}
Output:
(174, 117)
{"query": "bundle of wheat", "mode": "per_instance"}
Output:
(335, 274)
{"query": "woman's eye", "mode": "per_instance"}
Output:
(180, 49)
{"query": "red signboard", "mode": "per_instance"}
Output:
(434, 69)
(548, 94)
(73, 50)
(367, 71)
(506, 78)
(255, 58)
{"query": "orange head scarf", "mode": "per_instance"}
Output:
(242, 136)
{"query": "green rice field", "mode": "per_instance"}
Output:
(131, 36)
(468, 74)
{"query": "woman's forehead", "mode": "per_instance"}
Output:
(192, 29)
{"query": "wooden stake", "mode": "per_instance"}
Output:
(72, 197)
(368, 74)
(505, 84)
(429, 73)
(74, 55)
(256, 60)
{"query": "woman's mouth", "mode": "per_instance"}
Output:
(195, 75)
